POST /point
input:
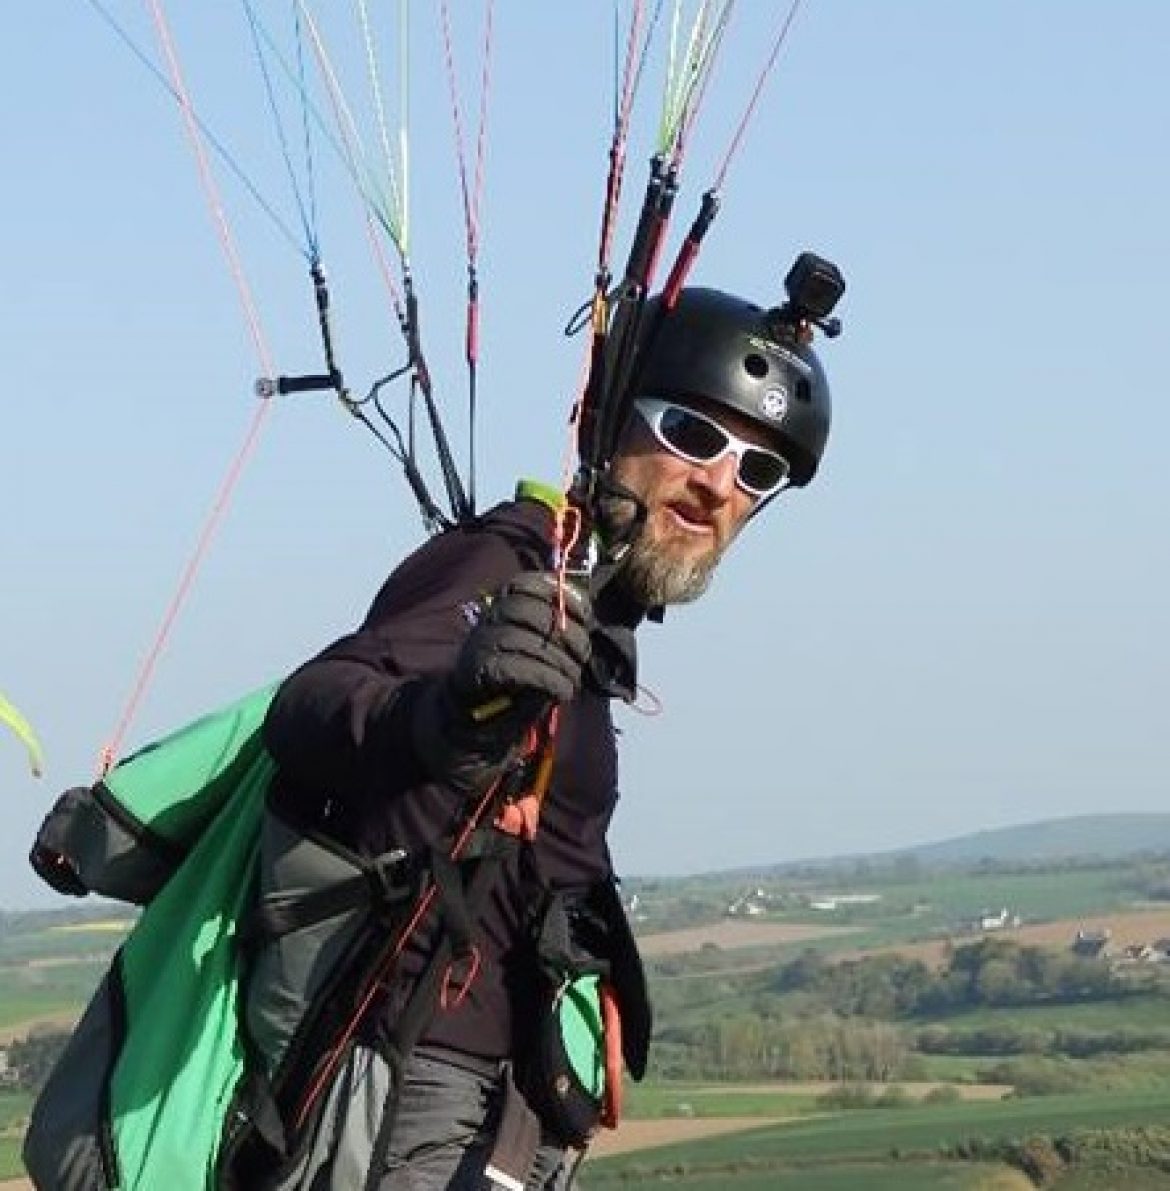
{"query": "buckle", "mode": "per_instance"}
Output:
(389, 877)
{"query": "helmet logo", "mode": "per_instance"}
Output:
(771, 348)
(774, 403)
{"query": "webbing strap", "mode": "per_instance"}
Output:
(385, 881)
(453, 902)
(473, 885)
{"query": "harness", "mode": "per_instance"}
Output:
(295, 941)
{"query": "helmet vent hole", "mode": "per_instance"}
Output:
(755, 365)
(803, 390)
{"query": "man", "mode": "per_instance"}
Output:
(476, 661)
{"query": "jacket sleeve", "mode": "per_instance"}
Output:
(342, 721)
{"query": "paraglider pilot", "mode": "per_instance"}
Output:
(445, 692)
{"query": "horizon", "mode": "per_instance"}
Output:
(65, 903)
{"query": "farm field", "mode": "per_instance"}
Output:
(1126, 927)
(633, 1136)
(773, 1099)
(71, 940)
(665, 1113)
(18, 1016)
(836, 1146)
(1138, 1012)
(732, 935)
(926, 1176)
(9, 1157)
(32, 996)
(656, 1115)
(933, 902)
(701, 1134)
(50, 963)
(1135, 1180)
(919, 919)
(14, 1107)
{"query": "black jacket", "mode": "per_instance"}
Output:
(338, 730)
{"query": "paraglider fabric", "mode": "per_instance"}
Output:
(12, 717)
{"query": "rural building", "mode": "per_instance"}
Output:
(1138, 953)
(1092, 944)
(843, 901)
(991, 920)
(751, 904)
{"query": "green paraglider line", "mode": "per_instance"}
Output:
(11, 716)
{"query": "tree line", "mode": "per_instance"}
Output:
(813, 1018)
(990, 971)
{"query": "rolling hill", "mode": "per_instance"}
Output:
(1108, 837)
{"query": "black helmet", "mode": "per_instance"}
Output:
(728, 350)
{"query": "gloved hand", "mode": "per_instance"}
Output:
(513, 665)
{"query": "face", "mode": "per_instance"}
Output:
(693, 510)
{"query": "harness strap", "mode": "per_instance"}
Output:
(517, 1138)
(463, 890)
(462, 899)
(384, 881)
(453, 902)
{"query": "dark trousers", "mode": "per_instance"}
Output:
(442, 1138)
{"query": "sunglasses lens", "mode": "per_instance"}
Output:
(761, 471)
(691, 436)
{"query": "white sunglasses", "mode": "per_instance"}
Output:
(699, 439)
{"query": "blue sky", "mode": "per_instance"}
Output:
(961, 625)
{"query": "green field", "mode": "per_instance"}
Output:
(14, 1106)
(659, 1100)
(878, 1131)
(924, 1176)
(71, 934)
(14, 1110)
(45, 971)
(875, 1136)
(17, 1011)
(1107, 1180)
(937, 902)
(1150, 1012)
(50, 963)
(11, 1166)
(1037, 896)
(32, 994)
(954, 1068)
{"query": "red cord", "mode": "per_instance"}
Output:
(111, 750)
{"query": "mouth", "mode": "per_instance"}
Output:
(691, 519)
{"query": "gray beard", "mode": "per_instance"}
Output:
(655, 580)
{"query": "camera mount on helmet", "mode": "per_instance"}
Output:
(814, 287)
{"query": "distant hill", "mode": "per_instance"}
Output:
(1107, 836)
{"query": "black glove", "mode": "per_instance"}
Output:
(514, 664)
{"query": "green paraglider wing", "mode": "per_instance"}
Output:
(11, 716)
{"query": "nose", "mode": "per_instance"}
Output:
(719, 477)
